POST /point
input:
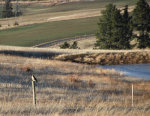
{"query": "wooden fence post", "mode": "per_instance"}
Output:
(33, 89)
(132, 95)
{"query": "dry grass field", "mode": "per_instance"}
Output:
(53, 22)
(37, 13)
(50, 17)
(68, 89)
(82, 43)
(63, 88)
(47, 17)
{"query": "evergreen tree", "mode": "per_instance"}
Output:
(141, 23)
(114, 29)
(7, 9)
(104, 33)
(117, 40)
(127, 28)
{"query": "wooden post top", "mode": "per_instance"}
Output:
(34, 79)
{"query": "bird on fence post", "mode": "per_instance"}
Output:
(34, 79)
(33, 89)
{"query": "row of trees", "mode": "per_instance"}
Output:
(116, 30)
(8, 10)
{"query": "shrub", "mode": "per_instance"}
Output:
(74, 45)
(65, 45)
(26, 69)
(91, 84)
(16, 23)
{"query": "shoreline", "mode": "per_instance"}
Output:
(108, 58)
(130, 70)
(93, 57)
(66, 86)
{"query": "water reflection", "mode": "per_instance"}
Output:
(136, 70)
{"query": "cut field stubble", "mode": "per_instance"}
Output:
(66, 89)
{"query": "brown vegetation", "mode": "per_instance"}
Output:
(26, 69)
(110, 58)
(66, 89)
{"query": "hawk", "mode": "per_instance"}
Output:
(33, 78)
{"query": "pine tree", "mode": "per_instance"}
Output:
(117, 29)
(114, 29)
(104, 33)
(141, 23)
(127, 28)
(7, 9)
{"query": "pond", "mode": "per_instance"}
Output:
(135, 70)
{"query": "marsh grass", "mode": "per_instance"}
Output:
(66, 89)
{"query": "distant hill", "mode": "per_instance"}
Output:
(53, 2)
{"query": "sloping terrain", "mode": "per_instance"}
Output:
(66, 89)
(38, 13)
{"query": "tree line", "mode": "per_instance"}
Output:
(8, 11)
(117, 28)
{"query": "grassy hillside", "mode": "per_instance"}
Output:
(29, 9)
(35, 9)
(34, 34)
(39, 33)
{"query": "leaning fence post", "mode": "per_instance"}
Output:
(33, 89)
(132, 94)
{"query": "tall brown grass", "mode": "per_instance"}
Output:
(68, 89)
